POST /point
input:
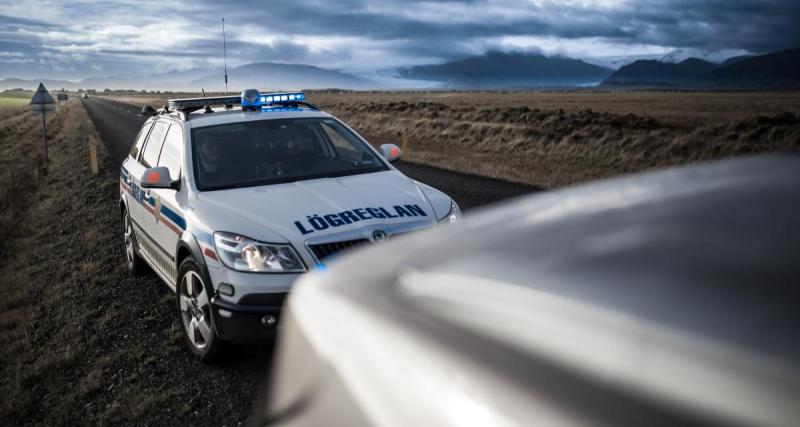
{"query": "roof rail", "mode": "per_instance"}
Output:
(250, 99)
(187, 105)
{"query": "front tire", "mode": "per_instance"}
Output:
(133, 261)
(193, 306)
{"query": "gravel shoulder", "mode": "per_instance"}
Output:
(82, 341)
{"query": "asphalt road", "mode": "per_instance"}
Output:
(118, 123)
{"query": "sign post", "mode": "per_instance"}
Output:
(43, 102)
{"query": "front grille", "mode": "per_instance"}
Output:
(325, 250)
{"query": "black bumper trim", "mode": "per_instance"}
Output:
(244, 322)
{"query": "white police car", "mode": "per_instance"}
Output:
(230, 206)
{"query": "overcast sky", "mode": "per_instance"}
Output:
(77, 39)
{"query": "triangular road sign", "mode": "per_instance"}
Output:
(42, 96)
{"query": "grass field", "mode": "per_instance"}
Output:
(15, 99)
(558, 138)
(9, 102)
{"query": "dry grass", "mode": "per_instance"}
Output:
(553, 139)
(20, 161)
(82, 342)
(40, 337)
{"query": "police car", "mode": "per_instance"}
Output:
(231, 199)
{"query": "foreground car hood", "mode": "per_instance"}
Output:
(320, 207)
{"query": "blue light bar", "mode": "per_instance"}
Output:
(270, 109)
(251, 100)
(281, 98)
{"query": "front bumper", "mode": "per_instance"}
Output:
(245, 321)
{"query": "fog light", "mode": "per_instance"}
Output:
(269, 321)
(226, 289)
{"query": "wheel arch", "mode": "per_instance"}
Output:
(187, 245)
(123, 206)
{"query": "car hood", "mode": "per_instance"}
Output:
(321, 207)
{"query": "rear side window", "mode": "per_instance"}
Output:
(171, 152)
(153, 147)
(137, 145)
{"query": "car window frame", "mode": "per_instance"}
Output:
(147, 143)
(384, 165)
(180, 149)
(149, 126)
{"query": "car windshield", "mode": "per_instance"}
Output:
(276, 151)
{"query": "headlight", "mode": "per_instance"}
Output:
(454, 216)
(243, 254)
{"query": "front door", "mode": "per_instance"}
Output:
(169, 220)
(160, 257)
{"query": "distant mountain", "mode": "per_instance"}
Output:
(509, 70)
(51, 85)
(735, 59)
(775, 70)
(657, 73)
(168, 80)
(276, 76)
(265, 76)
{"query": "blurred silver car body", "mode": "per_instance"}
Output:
(667, 298)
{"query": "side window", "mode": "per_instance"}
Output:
(153, 146)
(137, 145)
(171, 153)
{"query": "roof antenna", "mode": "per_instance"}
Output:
(225, 56)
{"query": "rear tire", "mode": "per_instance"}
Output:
(133, 261)
(193, 306)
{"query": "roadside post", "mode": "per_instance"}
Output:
(42, 102)
(93, 154)
(404, 144)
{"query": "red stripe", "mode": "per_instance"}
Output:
(147, 206)
(169, 225)
(209, 253)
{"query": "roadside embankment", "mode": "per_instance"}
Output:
(82, 342)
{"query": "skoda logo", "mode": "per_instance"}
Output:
(378, 236)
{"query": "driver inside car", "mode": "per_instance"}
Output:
(301, 144)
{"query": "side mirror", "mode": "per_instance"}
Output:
(147, 111)
(159, 178)
(391, 152)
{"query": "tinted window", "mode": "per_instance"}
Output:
(278, 150)
(171, 152)
(344, 148)
(137, 145)
(153, 146)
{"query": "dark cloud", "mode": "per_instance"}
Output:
(108, 37)
(734, 24)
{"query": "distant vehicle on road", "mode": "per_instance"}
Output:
(230, 206)
(85, 96)
(668, 298)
